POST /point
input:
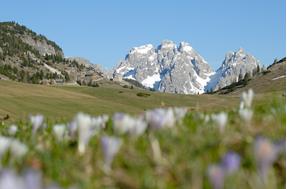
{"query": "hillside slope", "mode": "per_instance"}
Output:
(30, 57)
(271, 80)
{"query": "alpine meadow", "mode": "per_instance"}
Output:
(204, 110)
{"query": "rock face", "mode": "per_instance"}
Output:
(167, 68)
(180, 69)
(234, 67)
(42, 45)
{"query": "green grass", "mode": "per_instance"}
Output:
(18, 100)
(188, 150)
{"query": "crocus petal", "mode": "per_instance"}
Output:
(246, 114)
(110, 147)
(216, 176)
(37, 122)
(220, 120)
(231, 162)
(59, 131)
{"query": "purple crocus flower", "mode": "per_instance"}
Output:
(110, 147)
(216, 176)
(33, 179)
(230, 162)
(9, 179)
(266, 153)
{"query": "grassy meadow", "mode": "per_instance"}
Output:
(181, 156)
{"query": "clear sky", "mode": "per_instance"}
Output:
(104, 31)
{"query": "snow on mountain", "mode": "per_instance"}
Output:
(181, 69)
(167, 68)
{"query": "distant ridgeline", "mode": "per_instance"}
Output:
(28, 57)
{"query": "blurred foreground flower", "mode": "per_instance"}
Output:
(246, 99)
(266, 153)
(37, 122)
(220, 120)
(17, 148)
(216, 176)
(110, 147)
(230, 162)
(12, 130)
(59, 131)
(246, 114)
(124, 123)
(4, 145)
(30, 179)
(84, 128)
(160, 118)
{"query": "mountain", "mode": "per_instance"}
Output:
(181, 69)
(29, 57)
(166, 68)
(234, 67)
(272, 79)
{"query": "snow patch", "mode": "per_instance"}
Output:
(144, 49)
(151, 80)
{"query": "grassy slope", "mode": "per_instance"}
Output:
(18, 100)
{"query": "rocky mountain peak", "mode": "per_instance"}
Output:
(168, 68)
(235, 64)
(185, 47)
(167, 45)
(144, 49)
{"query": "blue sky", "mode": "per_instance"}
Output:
(104, 31)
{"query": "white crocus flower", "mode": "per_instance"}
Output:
(83, 122)
(220, 120)
(99, 122)
(122, 123)
(110, 147)
(18, 149)
(59, 131)
(12, 129)
(246, 99)
(4, 145)
(37, 122)
(138, 128)
(246, 114)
